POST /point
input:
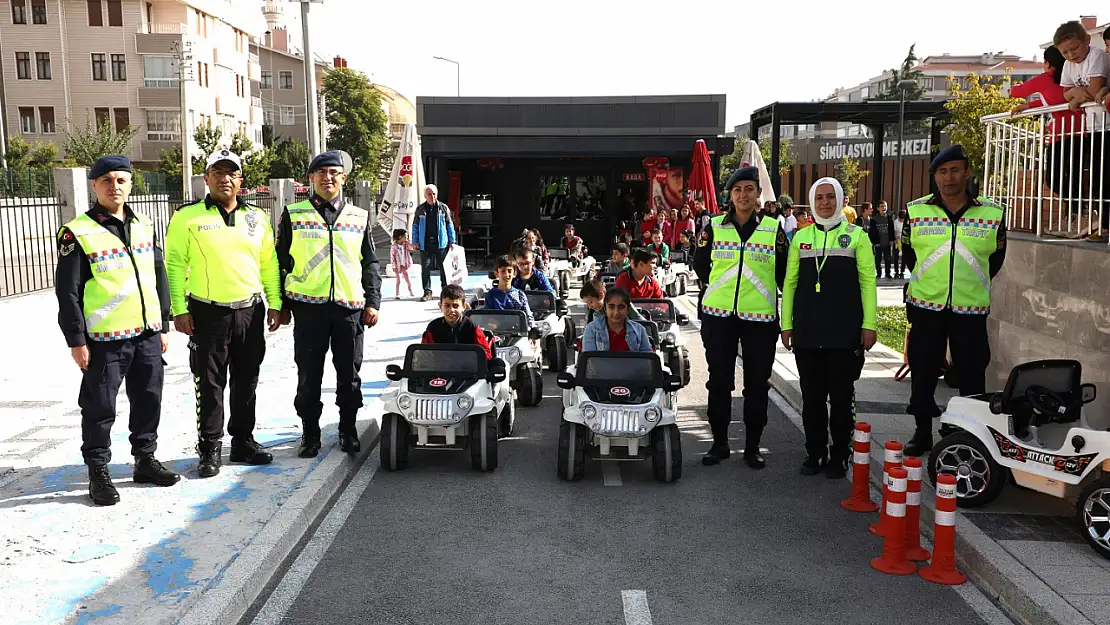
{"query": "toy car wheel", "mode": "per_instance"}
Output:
(530, 386)
(571, 332)
(979, 479)
(1092, 510)
(672, 289)
(483, 442)
(666, 453)
(682, 285)
(677, 364)
(506, 421)
(564, 284)
(685, 355)
(394, 443)
(572, 451)
(556, 349)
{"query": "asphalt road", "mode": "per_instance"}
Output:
(440, 544)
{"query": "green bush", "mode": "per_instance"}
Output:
(891, 324)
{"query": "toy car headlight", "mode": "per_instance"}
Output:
(511, 355)
(589, 411)
(404, 402)
(652, 415)
(545, 328)
(464, 402)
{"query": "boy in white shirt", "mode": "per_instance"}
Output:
(1086, 69)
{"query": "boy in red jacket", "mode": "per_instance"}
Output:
(453, 327)
(638, 278)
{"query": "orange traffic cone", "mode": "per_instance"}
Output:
(942, 570)
(893, 561)
(914, 551)
(892, 457)
(860, 501)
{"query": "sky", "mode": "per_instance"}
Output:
(755, 53)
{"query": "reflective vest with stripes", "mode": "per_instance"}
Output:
(747, 289)
(952, 267)
(327, 260)
(121, 299)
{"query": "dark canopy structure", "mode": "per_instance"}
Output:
(872, 114)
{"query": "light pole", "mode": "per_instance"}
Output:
(902, 86)
(313, 121)
(183, 52)
(458, 88)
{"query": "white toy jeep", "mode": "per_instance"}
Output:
(681, 267)
(448, 397)
(556, 328)
(619, 406)
(560, 269)
(515, 343)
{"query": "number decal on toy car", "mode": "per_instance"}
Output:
(438, 383)
(619, 391)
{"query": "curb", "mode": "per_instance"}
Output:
(240, 584)
(1000, 576)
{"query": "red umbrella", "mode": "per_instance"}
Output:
(701, 179)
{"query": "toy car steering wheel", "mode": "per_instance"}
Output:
(1044, 400)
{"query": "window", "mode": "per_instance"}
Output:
(287, 116)
(163, 125)
(119, 67)
(42, 64)
(159, 71)
(23, 65)
(96, 16)
(99, 67)
(200, 21)
(286, 79)
(19, 11)
(27, 120)
(268, 116)
(122, 118)
(115, 13)
(927, 84)
(206, 83)
(38, 11)
(267, 81)
(46, 119)
(103, 117)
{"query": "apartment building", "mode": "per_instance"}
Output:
(116, 63)
(280, 86)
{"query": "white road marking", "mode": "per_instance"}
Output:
(286, 592)
(636, 611)
(611, 474)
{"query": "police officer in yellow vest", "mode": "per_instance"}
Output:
(113, 309)
(742, 260)
(954, 244)
(333, 288)
(828, 320)
(223, 273)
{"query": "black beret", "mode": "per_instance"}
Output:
(954, 152)
(326, 159)
(744, 173)
(108, 164)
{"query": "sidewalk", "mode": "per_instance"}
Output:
(1024, 550)
(197, 552)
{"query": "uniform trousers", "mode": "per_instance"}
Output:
(930, 333)
(316, 328)
(136, 362)
(827, 378)
(226, 340)
(723, 338)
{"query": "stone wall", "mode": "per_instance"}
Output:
(1052, 300)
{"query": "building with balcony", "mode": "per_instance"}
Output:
(279, 88)
(116, 63)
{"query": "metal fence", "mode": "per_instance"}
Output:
(29, 222)
(265, 201)
(1047, 168)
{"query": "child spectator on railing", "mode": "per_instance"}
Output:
(685, 222)
(647, 224)
(686, 245)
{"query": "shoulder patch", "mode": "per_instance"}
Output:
(781, 238)
(850, 228)
(703, 240)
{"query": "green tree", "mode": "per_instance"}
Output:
(786, 154)
(43, 155)
(19, 152)
(893, 94)
(86, 145)
(849, 173)
(967, 105)
(291, 159)
(207, 137)
(357, 121)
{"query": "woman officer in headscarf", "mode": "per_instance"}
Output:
(828, 320)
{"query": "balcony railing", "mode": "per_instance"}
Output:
(1047, 167)
(162, 29)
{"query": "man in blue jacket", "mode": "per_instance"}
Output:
(433, 233)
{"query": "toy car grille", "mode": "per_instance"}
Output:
(617, 422)
(435, 410)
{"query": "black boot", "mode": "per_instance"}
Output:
(101, 489)
(919, 445)
(812, 465)
(210, 453)
(754, 458)
(310, 441)
(718, 453)
(349, 443)
(149, 471)
(249, 451)
(837, 468)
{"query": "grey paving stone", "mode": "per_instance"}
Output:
(1039, 553)
(1093, 607)
(1075, 580)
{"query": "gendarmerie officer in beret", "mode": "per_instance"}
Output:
(114, 311)
(954, 244)
(332, 286)
(741, 258)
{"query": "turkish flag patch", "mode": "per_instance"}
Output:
(805, 246)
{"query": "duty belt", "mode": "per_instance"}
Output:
(244, 303)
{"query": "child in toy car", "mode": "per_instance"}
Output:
(614, 332)
(504, 296)
(453, 327)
